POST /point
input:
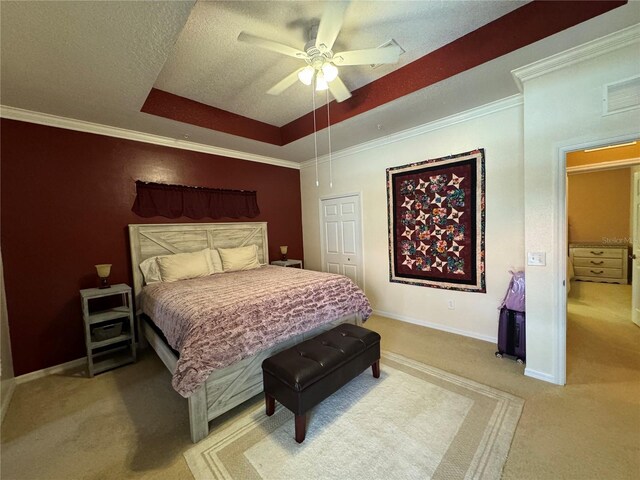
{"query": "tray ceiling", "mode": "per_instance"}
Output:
(98, 62)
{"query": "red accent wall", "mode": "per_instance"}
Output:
(175, 107)
(66, 200)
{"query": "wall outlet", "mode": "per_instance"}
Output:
(451, 305)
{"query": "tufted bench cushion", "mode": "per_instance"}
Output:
(304, 375)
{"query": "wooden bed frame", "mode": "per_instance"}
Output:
(233, 385)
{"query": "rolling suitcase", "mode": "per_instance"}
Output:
(511, 335)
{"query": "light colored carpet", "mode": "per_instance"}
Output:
(414, 422)
(129, 424)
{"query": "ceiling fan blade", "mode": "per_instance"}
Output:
(271, 45)
(370, 56)
(285, 83)
(330, 25)
(339, 90)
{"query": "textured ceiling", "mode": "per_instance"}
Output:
(98, 61)
(210, 66)
(72, 56)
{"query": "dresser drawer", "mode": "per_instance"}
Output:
(596, 252)
(597, 262)
(598, 272)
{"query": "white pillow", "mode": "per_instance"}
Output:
(150, 271)
(241, 258)
(216, 261)
(182, 266)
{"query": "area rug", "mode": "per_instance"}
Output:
(414, 422)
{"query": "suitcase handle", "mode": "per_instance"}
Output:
(597, 273)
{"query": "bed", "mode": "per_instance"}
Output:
(216, 374)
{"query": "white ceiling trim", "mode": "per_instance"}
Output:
(29, 116)
(481, 111)
(596, 167)
(592, 49)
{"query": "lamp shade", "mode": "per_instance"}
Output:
(329, 71)
(306, 75)
(321, 83)
(104, 269)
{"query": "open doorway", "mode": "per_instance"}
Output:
(602, 211)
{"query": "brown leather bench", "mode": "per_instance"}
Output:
(304, 375)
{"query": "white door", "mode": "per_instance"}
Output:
(635, 264)
(341, 237)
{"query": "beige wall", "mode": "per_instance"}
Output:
(497, 128)
(562, 110)
(598, 206)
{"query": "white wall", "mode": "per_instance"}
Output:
(500, 134)
(562, 109)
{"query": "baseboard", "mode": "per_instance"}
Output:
(63, 367)
(8, 386)
(545, 377)
(436, 326)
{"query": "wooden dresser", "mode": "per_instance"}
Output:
(599, 263)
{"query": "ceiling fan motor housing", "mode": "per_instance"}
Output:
(315, 57)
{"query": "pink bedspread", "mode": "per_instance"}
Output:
(218, 320)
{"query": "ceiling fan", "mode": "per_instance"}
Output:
(322, 63)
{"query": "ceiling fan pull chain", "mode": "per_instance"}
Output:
(315, 133)
(329, 136)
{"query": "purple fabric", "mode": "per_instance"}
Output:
(515, 297)
(221, 319)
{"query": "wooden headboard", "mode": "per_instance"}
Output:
(149, 240)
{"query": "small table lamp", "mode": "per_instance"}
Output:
(283, 252)
(104, 269)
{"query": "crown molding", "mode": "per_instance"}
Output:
(29, 116)
(471, 114)
(598, 167)
(600, 46)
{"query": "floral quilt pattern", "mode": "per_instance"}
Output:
(436, 222)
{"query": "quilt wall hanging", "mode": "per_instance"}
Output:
(436, 222)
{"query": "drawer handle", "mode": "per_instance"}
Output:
(597, 263)
(597, 273)
(596, 253)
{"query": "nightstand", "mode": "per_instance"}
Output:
(288, 263)
(109, 333)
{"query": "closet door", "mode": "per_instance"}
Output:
(341, 237)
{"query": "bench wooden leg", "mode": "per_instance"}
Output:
(376, 369)
(270, 404)
(301, 427)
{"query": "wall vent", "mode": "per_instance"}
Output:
(621, 96)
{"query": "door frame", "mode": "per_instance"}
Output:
(562, 239)
(361, 226)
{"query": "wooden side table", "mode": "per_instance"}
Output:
(288, 263)
(109, 334)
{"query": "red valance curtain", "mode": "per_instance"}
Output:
(173, 201)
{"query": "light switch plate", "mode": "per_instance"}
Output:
(537, 258)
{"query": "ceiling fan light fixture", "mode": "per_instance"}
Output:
(306, 75)
(329, 71)
(321, 82)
